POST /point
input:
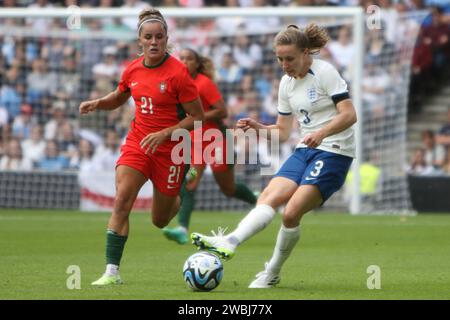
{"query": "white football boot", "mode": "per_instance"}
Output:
(265, 279)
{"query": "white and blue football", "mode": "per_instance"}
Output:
(203, 271)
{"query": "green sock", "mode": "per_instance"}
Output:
(187, 206)
(114, 247)
(244, 193)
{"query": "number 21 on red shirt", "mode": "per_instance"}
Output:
(146, 105)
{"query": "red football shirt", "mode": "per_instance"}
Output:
(210, 95)
(158, 93)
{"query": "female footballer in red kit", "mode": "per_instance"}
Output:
(163, 92)
(202, 70)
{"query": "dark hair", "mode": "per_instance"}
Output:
(428, 134)
(91, 147)
(205, 64)
(151, 13)
(312, 37)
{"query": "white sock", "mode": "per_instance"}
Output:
(255, 221)
(112, 269)
(286, 240)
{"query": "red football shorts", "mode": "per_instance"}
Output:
(157, 167)
(213, 153)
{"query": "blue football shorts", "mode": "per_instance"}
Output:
(324, 169)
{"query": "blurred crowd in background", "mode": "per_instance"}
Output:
(433, 157)
(43, 79)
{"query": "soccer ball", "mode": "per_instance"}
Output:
(202, 271)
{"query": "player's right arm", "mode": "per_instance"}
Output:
(283, 125)
(111, 101)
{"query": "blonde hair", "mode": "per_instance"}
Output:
(151, 14)
(312, 37)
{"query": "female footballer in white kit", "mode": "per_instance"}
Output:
(315, 94)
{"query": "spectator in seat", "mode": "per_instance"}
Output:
(437, 37)
(446, 165)
(263, 82)
(434, 152)
(376, 82)
(67, 86)
(53, 160)
(248, 54)
(236, 102)
(22, 124)
(131, 22)
(53, 52)
(13, 158)
(67, 140)
(106, 155)
(108, 67)
(418, 164)
(443, 136)
(342, 50)
(83, 158)
(34, 147)
(53, 127)
(40, 83)
(378, 48)
(270, 101)
(11, 94)
(229, 71)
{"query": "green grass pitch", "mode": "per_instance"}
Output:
(329, 262)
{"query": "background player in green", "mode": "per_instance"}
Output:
(163, 92)
(201, 70)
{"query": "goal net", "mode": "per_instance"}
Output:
(54, 59)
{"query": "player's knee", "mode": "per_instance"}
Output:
(291, 218)
(123, 202)
(270, 198)
(264, 196)
(160, 222)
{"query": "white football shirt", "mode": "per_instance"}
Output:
(313, 102)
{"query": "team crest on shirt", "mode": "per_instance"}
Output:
(312, 94)
(162, 86)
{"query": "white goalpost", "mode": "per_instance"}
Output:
(380, 135)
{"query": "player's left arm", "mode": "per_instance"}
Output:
(195, 111)
(210, 92)
(218, 111)
(345, 118)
